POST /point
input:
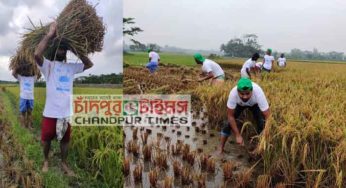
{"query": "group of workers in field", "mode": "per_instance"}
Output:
(245, 95)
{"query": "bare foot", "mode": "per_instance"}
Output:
(221, 150)
(67, 170)
(30, 126)
(45, 166)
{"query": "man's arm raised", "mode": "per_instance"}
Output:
(86, 61)
(43, 43)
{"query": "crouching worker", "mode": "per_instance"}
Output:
(246, 95)
(59, 89)
(154, 60)
(248, 66)
(212, 70)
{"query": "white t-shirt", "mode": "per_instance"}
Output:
(268, 62)
(257, 97)
(59, 87)
(282, 61)
(259, 64)
(26, 84)
(154, 57)
(247, 65)
(211, 66)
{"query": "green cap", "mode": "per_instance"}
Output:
(270, 50)
(244, 84)
(199, 57)
(149, 50)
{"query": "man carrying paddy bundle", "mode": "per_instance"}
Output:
(248, 66)
(268, 61)
(154, 60)
(26, 78)
(212, 70)
(59, 84)
(246, 95)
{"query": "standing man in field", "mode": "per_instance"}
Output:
(282, 61)
(26, 80)
(154, 60)
(248, 66)
(59, 89)
(246, 95)
(212, 70)
(268, 61)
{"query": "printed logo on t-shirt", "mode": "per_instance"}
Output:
(27, 86)
(63, 84)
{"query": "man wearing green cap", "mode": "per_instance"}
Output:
(211, 68)
(268, 61)
(154, 60)
(246, 95)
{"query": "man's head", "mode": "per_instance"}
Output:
(255, 56)
(59, 52)
(282, 55)
(269, 51)
(26, 69)
(149, 50)
(199, 58)
(244, 87)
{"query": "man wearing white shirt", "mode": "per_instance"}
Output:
(26, 100)
(211, 68)
(282, 61)
(248, 66)
(268, 61)
(246, 95)
(154, 60)
(59, 89)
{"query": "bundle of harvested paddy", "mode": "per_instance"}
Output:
(24, 67)
(78, 27)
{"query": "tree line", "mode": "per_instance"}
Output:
(100, 79)
(248, 44)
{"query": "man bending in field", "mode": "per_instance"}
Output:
(246, 95)
(154, 60)
(212, 70)
(248, 66)
(26, 80)
(59, 84)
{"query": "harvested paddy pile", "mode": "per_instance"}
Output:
(167, 80)
(78, 27)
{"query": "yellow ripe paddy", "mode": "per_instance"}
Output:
(304, 142)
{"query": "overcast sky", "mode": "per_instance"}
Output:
(13, 20)
(205, 24)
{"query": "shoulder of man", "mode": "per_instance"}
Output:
(234, 90)
(256, 87)
(210, 61)
(46, 60)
